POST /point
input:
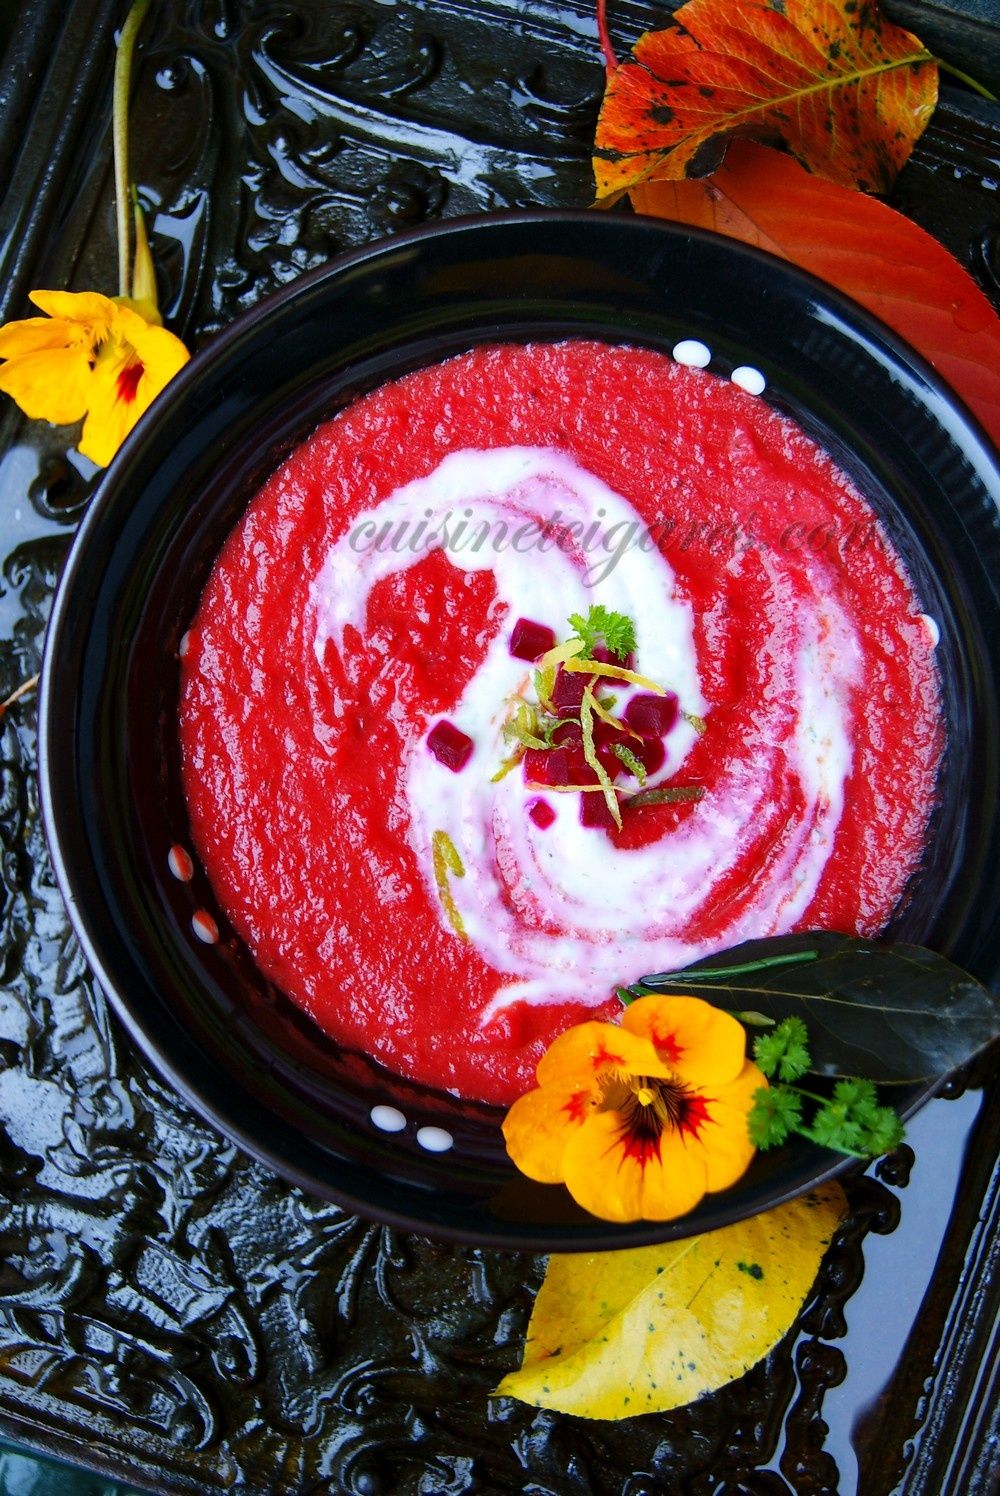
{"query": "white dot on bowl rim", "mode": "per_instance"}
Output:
(387, 1118)
(933, 631)
(180, 864)
(204, 926)
(434, 1139)
(185, 644)
(691, 352)
(750, 379)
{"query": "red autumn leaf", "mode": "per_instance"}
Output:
(847, 92)
(857, 244)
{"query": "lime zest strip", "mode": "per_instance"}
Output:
(667, 794)
(632, 762)
(445, 858)
(616, 672)
(590, 754)
(559, 654)
(616, 722)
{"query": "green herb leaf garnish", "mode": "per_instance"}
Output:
(896, 1014)
(615, 631)
(784, 1051)
(776, 1114)
(850, 1121)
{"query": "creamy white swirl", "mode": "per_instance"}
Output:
(562, 911)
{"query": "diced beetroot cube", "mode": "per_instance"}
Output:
(607, 657)
(651, 716)
(605, 737)
(541, 813)
(557, 766)
(528, 640)
(567, 693)
(594, 811)
(547, 766)
(568, 735)
(450, 745)
(537, 765)
(650, 753)
(580, 771)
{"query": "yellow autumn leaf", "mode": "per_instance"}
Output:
(616, 1334)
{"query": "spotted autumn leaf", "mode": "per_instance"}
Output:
(848, 92)
(616, 1334)
(874, 254)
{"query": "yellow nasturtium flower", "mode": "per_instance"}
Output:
(90, 359)
(640, 1121)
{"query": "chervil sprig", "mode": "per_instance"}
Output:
(849, 1121)
(784, 1052)
(776, 1113)
(615, 631)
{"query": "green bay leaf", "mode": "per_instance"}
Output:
(892, 1013)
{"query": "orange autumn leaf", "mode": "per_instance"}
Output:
(861, 246)
(848, 92)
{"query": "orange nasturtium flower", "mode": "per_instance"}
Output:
(90, 359)
(640, 1121)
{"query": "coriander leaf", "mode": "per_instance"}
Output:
(858, 1096)
(615, 631)
(884, 1133)
(784, 1051)
(834, 1126)
(775, 1114)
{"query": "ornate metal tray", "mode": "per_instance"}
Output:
(170, 1314)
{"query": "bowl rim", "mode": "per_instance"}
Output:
(960, 424)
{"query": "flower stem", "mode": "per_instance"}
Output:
(954, 72)
(123, 80)
(22, 690)
(810, 1095)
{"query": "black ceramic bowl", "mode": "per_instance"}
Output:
(238, 1050)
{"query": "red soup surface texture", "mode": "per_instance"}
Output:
(405, 822)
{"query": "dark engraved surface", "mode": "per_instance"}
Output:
(170, 1313)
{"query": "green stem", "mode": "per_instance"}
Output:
(119, 128)
(804, 1132)
(946, 67)
(714, 973)
(811, 1095)
(628, 995)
